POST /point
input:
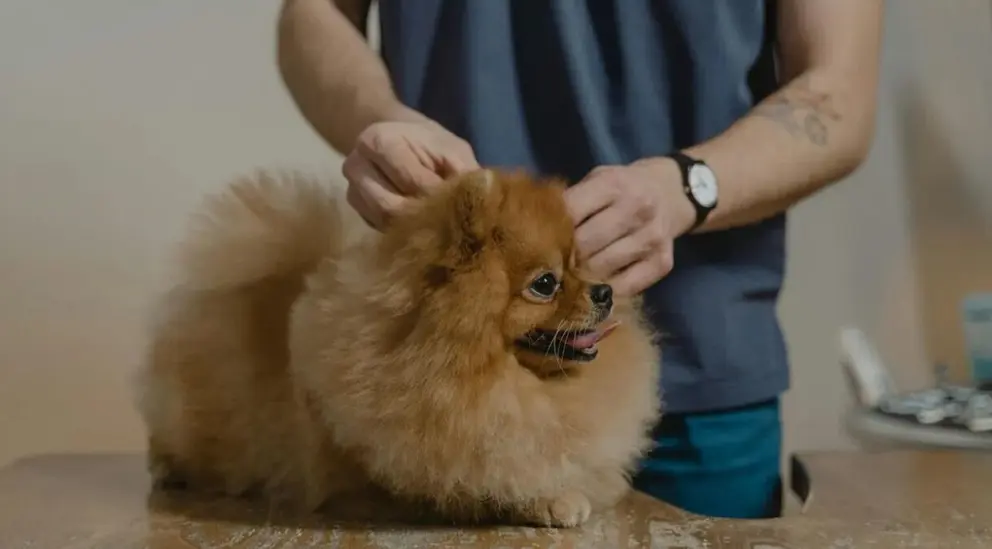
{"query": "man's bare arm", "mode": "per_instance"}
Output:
(817, 128)
(339, 84)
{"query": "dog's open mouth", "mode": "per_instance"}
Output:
(574, 345)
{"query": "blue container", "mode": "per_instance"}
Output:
(977, 312)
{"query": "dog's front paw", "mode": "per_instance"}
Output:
(565, 511)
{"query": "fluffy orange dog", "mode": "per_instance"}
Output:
(460, 358)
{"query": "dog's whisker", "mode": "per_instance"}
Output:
(553, 344)
(559, 359)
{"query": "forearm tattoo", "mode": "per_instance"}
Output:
(801, 111)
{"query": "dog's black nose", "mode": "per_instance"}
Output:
(601, 294)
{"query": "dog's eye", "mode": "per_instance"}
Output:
(544, 286)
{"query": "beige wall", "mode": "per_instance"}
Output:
(894, 248)
(115, 116)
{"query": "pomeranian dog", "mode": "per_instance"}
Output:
(461, 358)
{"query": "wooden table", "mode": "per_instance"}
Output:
(891, 500)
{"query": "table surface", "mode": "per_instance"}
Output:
(888, 500)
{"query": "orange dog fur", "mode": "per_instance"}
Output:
(288, 363)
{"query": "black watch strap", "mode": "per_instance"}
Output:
(685, 163)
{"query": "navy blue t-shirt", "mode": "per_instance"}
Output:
(562, 86)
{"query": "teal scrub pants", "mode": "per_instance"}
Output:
(721, 464)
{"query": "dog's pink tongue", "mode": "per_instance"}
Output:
(585, 341)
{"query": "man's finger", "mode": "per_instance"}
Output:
(355, 172)
(402, 167)
(602, 230)
(634, 279)
(589, 196)
(458, 163)
(357, 203)
(618, 256)
(375, 191)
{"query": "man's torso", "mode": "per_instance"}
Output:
(561, 86)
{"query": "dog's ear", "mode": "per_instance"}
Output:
(476, 198)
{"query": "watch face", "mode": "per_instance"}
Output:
(702, 183)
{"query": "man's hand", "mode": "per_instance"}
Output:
(394, 162)
(627, 218)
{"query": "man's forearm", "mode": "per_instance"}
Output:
(817, 128)
(339, 84)
(812, 132)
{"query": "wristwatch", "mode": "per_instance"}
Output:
(699, 184)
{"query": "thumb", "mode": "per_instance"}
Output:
(457, 163)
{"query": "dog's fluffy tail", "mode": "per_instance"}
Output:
(261, 227)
